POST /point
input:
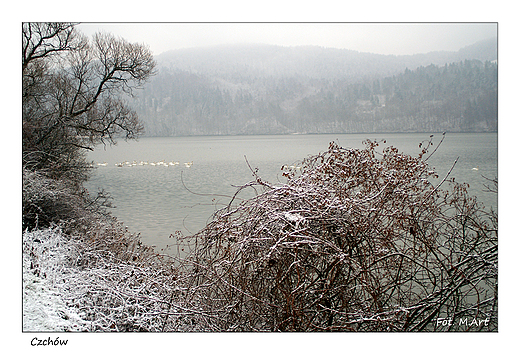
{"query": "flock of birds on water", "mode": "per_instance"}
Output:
(175, 163)
(142, 163)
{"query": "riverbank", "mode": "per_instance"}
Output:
(44, 307)
(108, 282)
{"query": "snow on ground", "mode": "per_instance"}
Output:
(43, 307)
(71, 285)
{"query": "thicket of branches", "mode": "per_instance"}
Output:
(360, 240)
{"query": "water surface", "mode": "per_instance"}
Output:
(158, 200)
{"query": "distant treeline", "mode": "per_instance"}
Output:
(460, 96)
(456, 97)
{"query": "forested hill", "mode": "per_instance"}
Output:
(263, 89)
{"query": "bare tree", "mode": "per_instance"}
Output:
(73, 94)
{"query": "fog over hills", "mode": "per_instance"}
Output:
(267, 89)
(311, 61)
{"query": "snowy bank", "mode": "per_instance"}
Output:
(43, 307)
(102, 283)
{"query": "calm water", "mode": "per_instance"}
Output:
(155, 201)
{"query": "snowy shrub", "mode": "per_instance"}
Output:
(106, 281)
(46, 201)
(358, 240)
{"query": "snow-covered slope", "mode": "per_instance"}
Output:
(43, 307)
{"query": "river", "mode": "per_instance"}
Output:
(161, 185)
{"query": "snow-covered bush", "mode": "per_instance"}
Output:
(104, 281)
(359, 240)
(46, 201)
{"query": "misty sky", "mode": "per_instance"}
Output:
(381, 38)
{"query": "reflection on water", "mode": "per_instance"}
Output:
(169, 184)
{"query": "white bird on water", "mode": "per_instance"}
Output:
(475, 168)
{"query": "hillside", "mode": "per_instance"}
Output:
(265, 89)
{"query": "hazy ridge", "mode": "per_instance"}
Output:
(267, 89)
